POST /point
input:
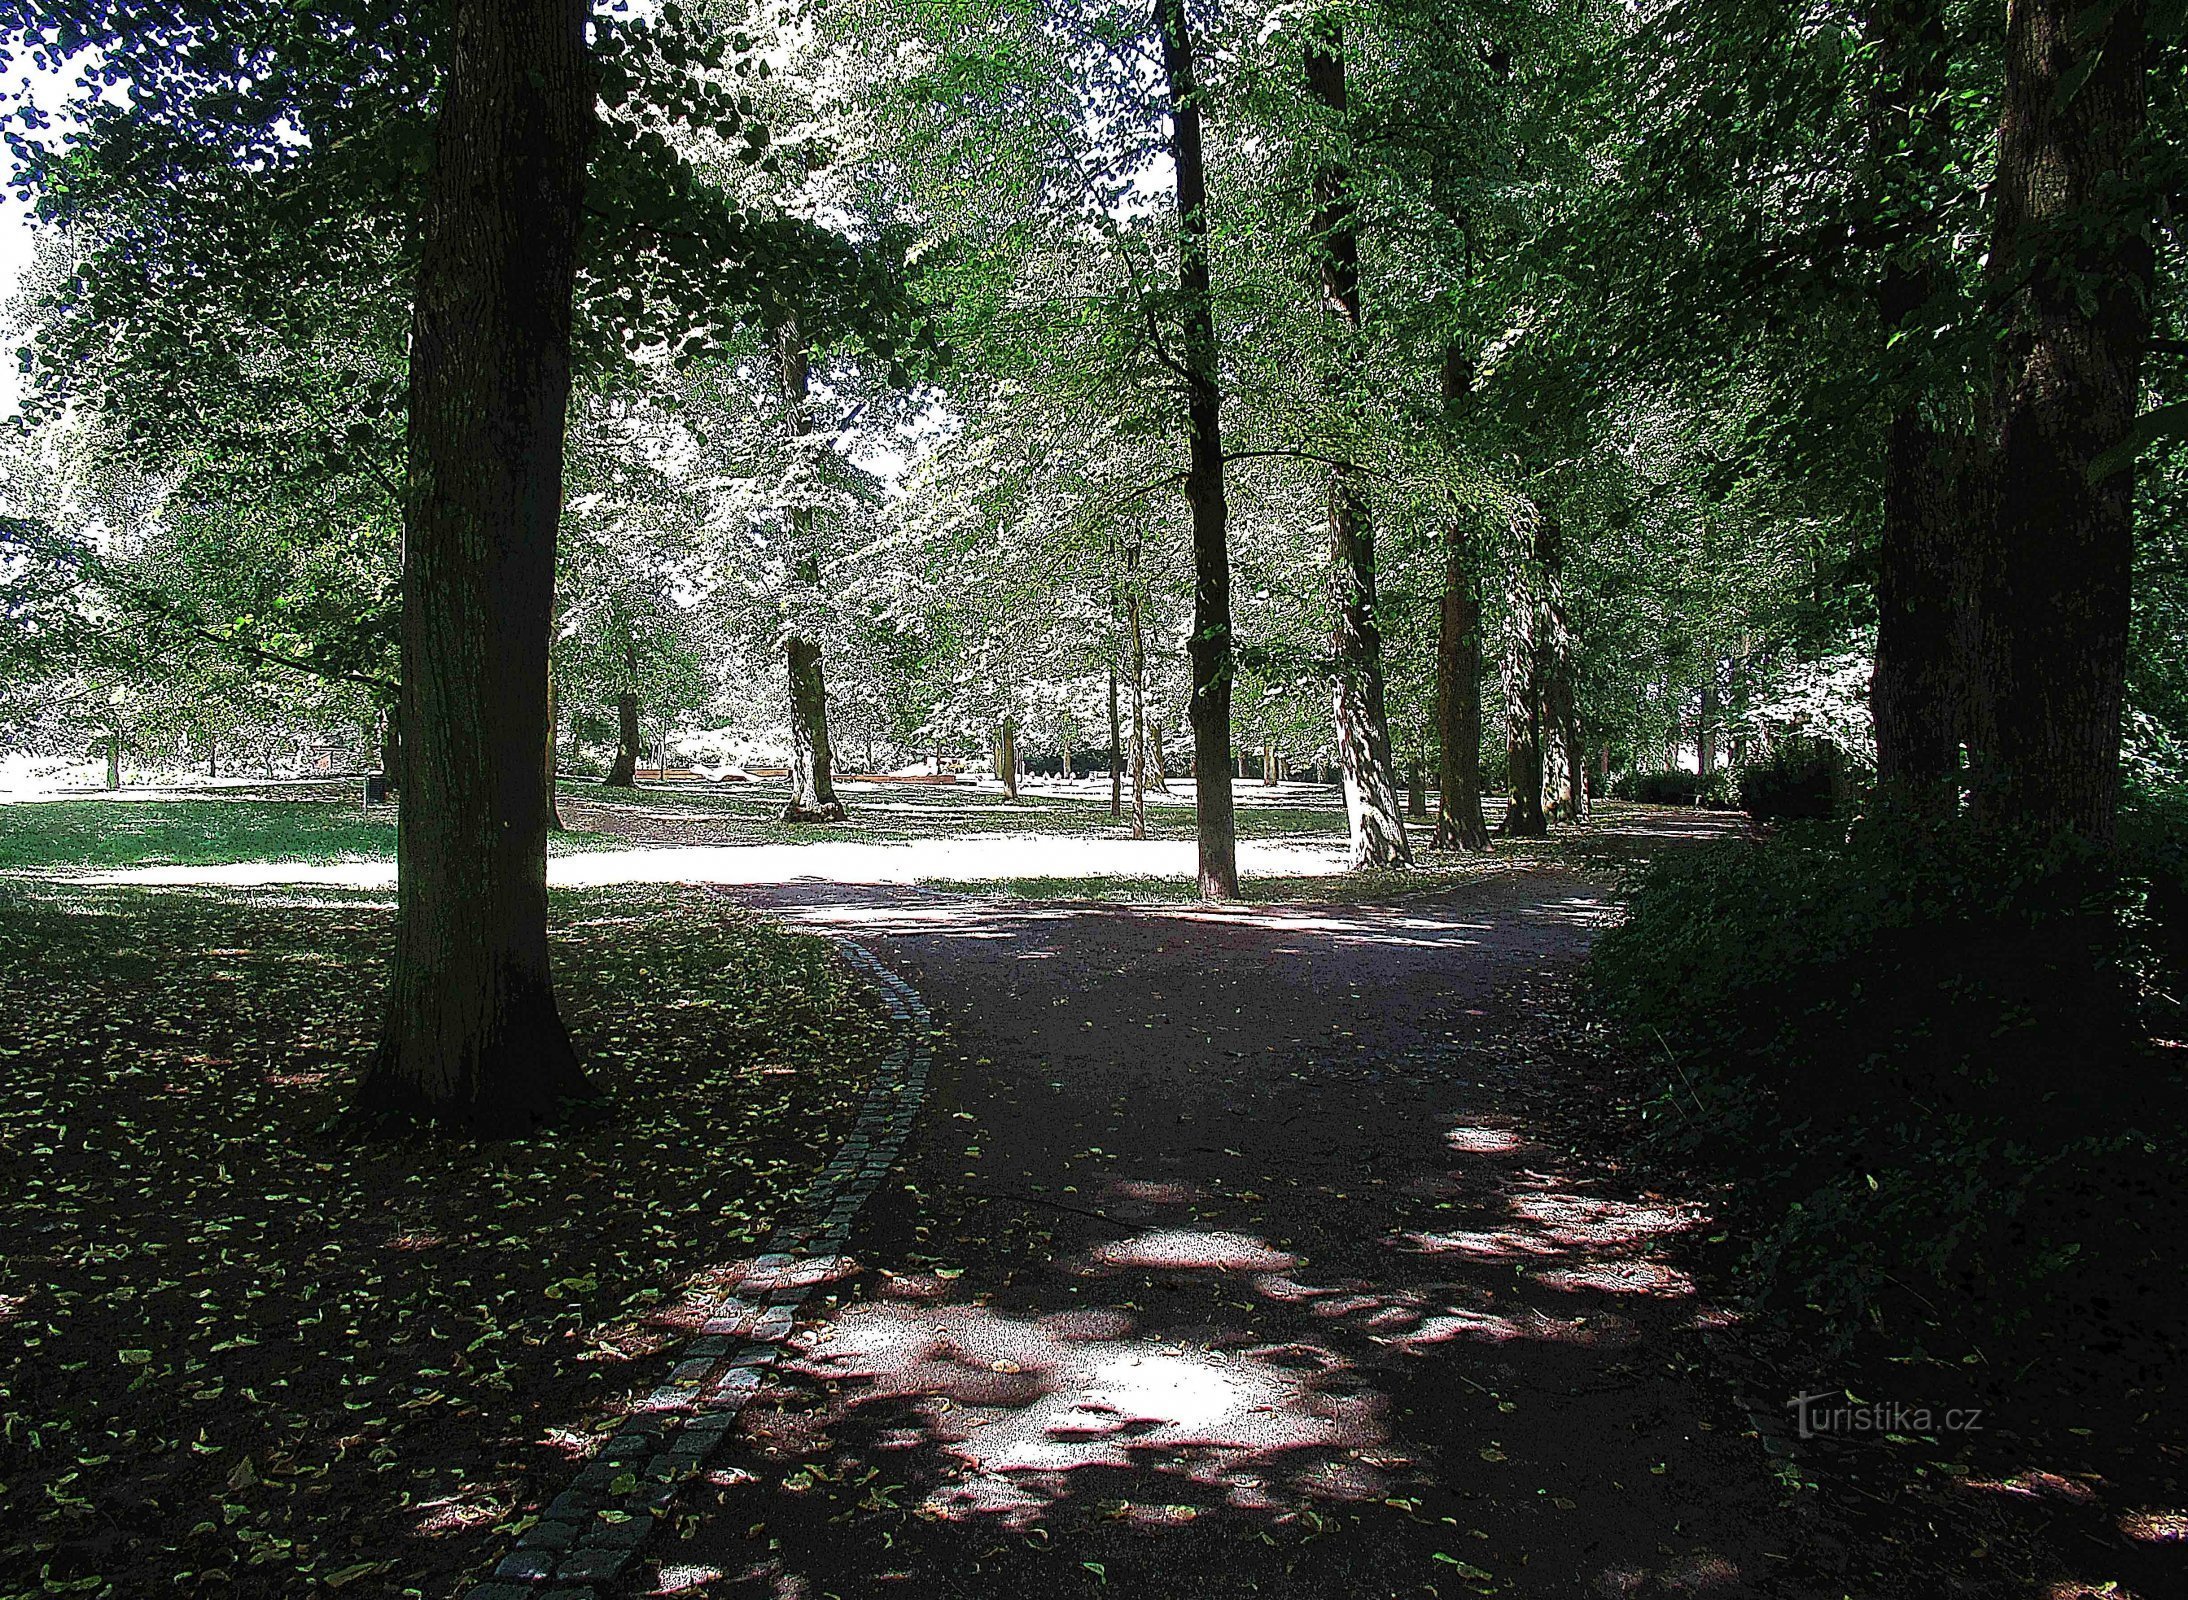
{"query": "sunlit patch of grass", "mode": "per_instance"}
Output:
(106, 835)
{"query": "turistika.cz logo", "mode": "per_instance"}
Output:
(1838, 1412)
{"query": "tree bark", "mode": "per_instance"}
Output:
(1576, 761)
(1362, 723)
(1136, 631)
(1459, 821)
(472, 1037)
(1158, 775)
(1116, 753)
(1526, 669)
(1705, 727)
(2074, 265)
(113, 761)
(1211, 644)
(629, 743)
(812, 758)
(1006, 757)
(1914, 693)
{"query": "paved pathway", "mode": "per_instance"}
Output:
(1225, 1262)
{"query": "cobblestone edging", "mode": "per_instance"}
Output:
(590, 1535)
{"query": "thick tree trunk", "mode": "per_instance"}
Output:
(1158, 774)
(1416, 788)
(1576, 762)
(1523, 813)
(472, 1035)
(1527, 657)
(629, 743)
(212, 756)
(2072, 256)
(812, 758)
(113, 761)
(1460, 824)
(1914, 694)
(1363, 727)
(1210, 647)
(1459, 821)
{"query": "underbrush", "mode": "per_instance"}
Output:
(1674, 788)
(1933, 1069)
(240, 1357)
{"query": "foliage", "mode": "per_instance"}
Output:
(1674, 788)
(1922, 1057)
(1795, 779)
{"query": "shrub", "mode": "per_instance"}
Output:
(1674, 788)
(1796, 779)
(1917, 1054)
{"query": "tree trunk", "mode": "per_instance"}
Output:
(1210, 647)
(1363, 727)
(629, 743)
(1915, 692)
(1576, 761)
(1158, 773)
(1459, 821)
(212, 756)
(1136, 631)
(1705, 729)
(113, 761)
(1006, 757)
(1523, 814)
(472, 1035)
(1116, 753)
(2072, 259)
(812, 758)
(1526, 658)
(1416, 789)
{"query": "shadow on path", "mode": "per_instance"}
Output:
(1225, 1264)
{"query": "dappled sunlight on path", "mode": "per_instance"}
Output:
(1227, 1250)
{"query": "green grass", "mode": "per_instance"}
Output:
(139, 833)
(112, 835)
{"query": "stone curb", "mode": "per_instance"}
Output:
(590, 1535)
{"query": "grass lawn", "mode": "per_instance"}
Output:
(238, 1357)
